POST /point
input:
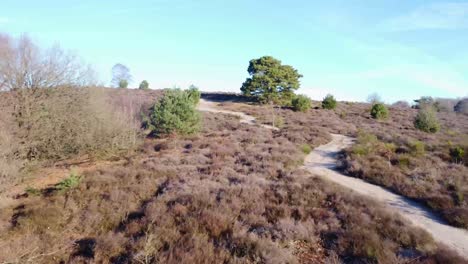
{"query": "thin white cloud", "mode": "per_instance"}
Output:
(432, 16)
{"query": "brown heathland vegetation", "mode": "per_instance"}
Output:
(234, 193)
(391, 152)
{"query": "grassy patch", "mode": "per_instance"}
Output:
(69, 183)
(306, 149)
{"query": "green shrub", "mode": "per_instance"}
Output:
(123, 84)
(301, 103)
(379, 111)
(175, 113)
(457, 154)
(404, 161)
(194, 94)
(417, 148)
(32, 191)
(366, 143)
(329, 102)
(390, 147)
(306, 148)
(426, 120)
(279, 122)
(360, 150)
(367, 138)
(459, 197)
(69, 183)
(144, 85)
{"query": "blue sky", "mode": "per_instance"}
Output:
(400, 49)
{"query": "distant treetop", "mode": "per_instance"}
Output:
(144, 85)
(270, 81)
(120, 73)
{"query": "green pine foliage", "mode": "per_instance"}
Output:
(175, 113)
(270, 81)
(329, 102)
(301, 103)
(379, 111)
(194, 94)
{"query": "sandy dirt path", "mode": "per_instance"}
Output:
(322, 161)
(207, 106)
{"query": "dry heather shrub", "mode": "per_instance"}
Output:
(135, 103)
(226, 195)
(62, 122)
(9, 165)
(426, 120)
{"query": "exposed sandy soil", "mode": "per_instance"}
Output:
(323, 162)
(208, 106)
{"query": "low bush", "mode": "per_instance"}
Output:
(194, 94)
(175, 113)
(144, 85)
(306, 148)
(366, 144)
(69, 183)
(417, 148)
(457, 154)
(32, 191)
(426, 120)
(379, 111)
(123, 84)
(301, 103)
(329, 102)
(279, 122)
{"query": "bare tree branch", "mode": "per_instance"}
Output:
(24, 65)
(120, 73)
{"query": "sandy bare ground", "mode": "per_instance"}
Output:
(323, 162)
(207, 106)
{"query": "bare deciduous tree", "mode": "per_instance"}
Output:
(120, 74)
(26, 66)
(374, 98)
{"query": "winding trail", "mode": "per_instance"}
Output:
(323, 162)
(207, 106)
